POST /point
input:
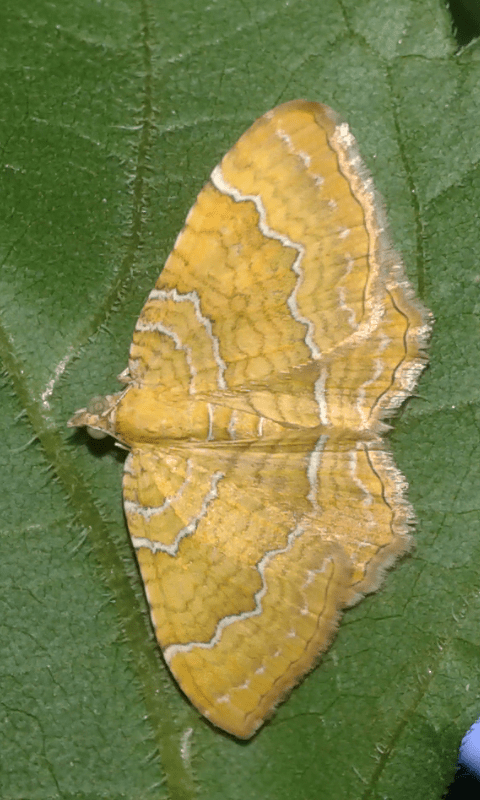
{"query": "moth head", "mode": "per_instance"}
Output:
(98, 417)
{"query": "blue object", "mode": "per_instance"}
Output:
(470, 750)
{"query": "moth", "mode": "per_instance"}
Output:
(260, 495)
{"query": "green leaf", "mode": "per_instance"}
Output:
(112, 115)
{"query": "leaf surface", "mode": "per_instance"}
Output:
(112, 116)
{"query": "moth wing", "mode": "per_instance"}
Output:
(248, 556)
(285, 268)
